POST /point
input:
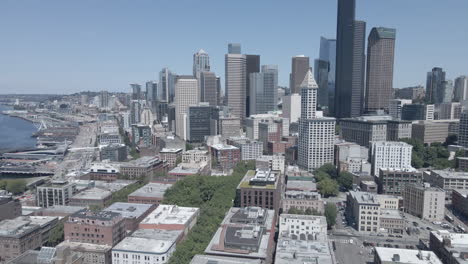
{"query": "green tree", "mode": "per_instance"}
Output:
(329, 169)
(311, 211)
(330, 214)
(188, 146)
(451, 140)
(320, 176)
(56, 235)
(294, 210)
(345, 180)
(416, 161)
(328, 187)
(16, 186)
(3, 185)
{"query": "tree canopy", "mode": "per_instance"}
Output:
(214, 196)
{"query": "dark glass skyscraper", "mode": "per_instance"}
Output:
(252, 65)
(321, 69)
(380, 57)
(328, 54)
(350, 61)
(202, 121)
(208, 87)
(437, 90)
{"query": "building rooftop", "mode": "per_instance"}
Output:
(159, 233)
(184, 170)
(451, 174)
(364, 197)
(23, 225)
(146, 245)
(456, 243)
(57, 184)
(104, 167)
(101, 216)
(291, 251)
(66, 209)
(301, 185)
(92, 194)
(207, 259)
(391, 213)
(129, 210)
(391, 143)
(223, 147)
(399, 169)
(260, 179)
(243, 232)
(171, 150)
(409, 256)
(88, 247)
(171, 215)
(152, 190)
(144, 161)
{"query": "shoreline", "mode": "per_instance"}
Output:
(34, 130)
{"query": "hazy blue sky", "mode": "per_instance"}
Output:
(64, 46)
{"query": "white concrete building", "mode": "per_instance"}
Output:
(424, 201)
(390, 154)
(385, 255)
(250, 149)
(146, 246)
(252, 122)
(292, 107)
(316, 135)
(186, 94)
(235, 87)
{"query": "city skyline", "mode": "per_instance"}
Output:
(109, 50)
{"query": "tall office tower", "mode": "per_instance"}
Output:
(235, 67)
(218, 89)
(136, 91)
(166, 86)
(461, 89)
(463, 129)
(234, 48)
(135, 111)
(447, 87)
(299, 67)
(252, 66)
(380, 58)
(104, 99)
(208, 87)
(151, 91)
(263, 90)
(316, 133)
(186, 94)
(202, 121)
(350, 61)
(435, 89)
(321, 69)
(328, 54)
(201, 62)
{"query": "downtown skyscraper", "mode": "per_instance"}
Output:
(324, 72)
(264, 90)
(236, 74)
(461, 89)
(438, 89)
(380, 60)
(186, 94)
(252, 66)
(166, 86)
(300, 64)
(350, 61)
(201, 62)
(316, 133)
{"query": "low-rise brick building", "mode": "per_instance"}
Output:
(9, 207)
(133, 213)
(102, 228)
(260, 188)
(151, 193)
(92, 197)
